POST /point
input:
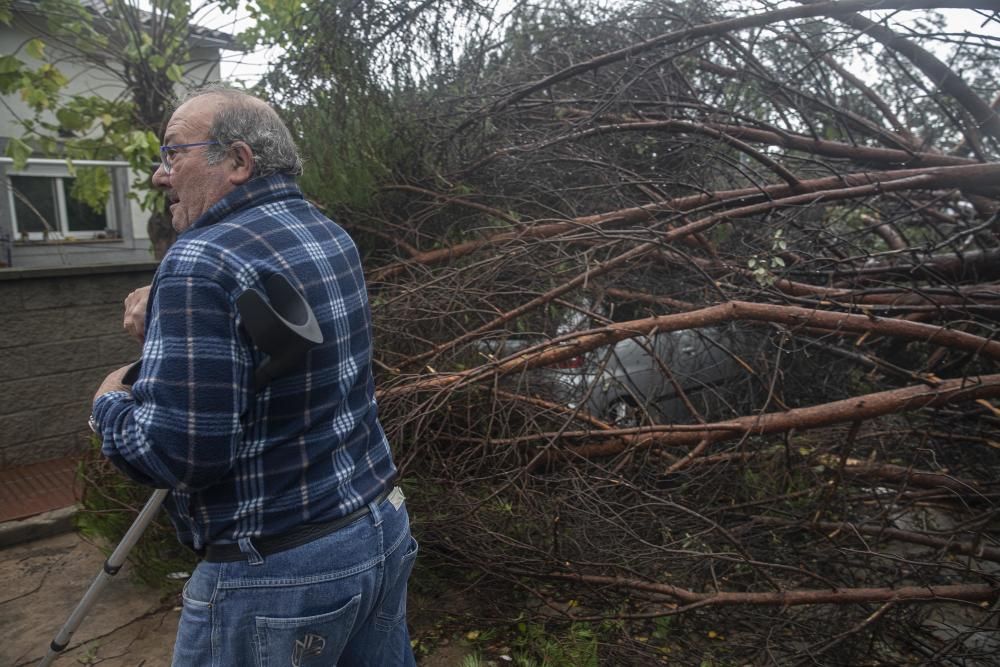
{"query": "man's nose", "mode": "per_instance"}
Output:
(161, 179)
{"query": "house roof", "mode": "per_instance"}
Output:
(200, 35)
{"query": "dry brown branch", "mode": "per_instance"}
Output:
(791, 598)
(898, 474)
(461, 201)
(865, 89)
(791, 316)
(973, 265)
(971, 177)
(736, 135)
(936, 71)
(723, 27)
(857, 408)
(845, 529)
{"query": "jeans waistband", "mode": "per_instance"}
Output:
(222, 553)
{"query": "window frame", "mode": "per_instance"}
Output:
(59, 173)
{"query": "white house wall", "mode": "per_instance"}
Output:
(87, 80)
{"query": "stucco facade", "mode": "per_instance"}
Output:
(125, 238)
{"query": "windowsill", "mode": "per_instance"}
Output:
(71, 241)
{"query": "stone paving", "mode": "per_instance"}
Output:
(40, 583)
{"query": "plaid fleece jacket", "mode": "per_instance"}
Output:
(308, 448)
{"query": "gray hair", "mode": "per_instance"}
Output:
(243, 117)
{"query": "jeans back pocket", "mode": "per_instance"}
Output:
(308, 641)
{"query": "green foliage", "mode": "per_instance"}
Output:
(35, 48)
(110, 505)
(19, 151)
(10, 74)
(662, 628)
(474, 660)
(539, 646)
(275, 22)
(87, 126)
(92, 186)
(347, 149)
(367, 44)
(40, 88)
(354, 82)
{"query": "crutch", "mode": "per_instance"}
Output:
(282, 325)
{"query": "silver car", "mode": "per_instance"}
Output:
(637, 380)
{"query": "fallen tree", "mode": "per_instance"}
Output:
(730, 183)
(801, 254)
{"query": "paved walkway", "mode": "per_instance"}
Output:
(39, 487)
(40, 583)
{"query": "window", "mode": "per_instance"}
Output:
(44, 209)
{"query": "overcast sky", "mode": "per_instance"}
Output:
(249, 67)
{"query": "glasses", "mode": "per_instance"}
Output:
(168, 153)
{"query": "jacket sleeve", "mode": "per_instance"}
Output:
(182, 425)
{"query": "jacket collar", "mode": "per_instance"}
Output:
(255, 192)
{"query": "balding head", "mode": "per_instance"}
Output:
(243, 117)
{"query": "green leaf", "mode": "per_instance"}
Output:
(139, 141)
(157, 61)
(92, 186)
(19, 152)
(175, 73)
(35, 98)
(53, 75)
(36, 49)
(10, 74)
(10, 64)
(70, 120)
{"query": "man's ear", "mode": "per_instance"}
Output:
(241, 157)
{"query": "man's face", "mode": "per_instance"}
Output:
(193, 185)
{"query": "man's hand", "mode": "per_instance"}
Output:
(114, 382)
(135, 313)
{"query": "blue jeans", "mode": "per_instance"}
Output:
(338, 600)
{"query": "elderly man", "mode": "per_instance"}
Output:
(285, 490)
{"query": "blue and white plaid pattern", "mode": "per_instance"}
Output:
(308, 448)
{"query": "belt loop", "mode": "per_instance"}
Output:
(250, 551)
(376, 514)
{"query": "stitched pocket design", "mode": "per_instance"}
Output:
(308, 641)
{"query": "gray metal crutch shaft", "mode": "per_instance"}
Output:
(111, 567)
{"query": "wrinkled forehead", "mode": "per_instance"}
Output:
(192, 121)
